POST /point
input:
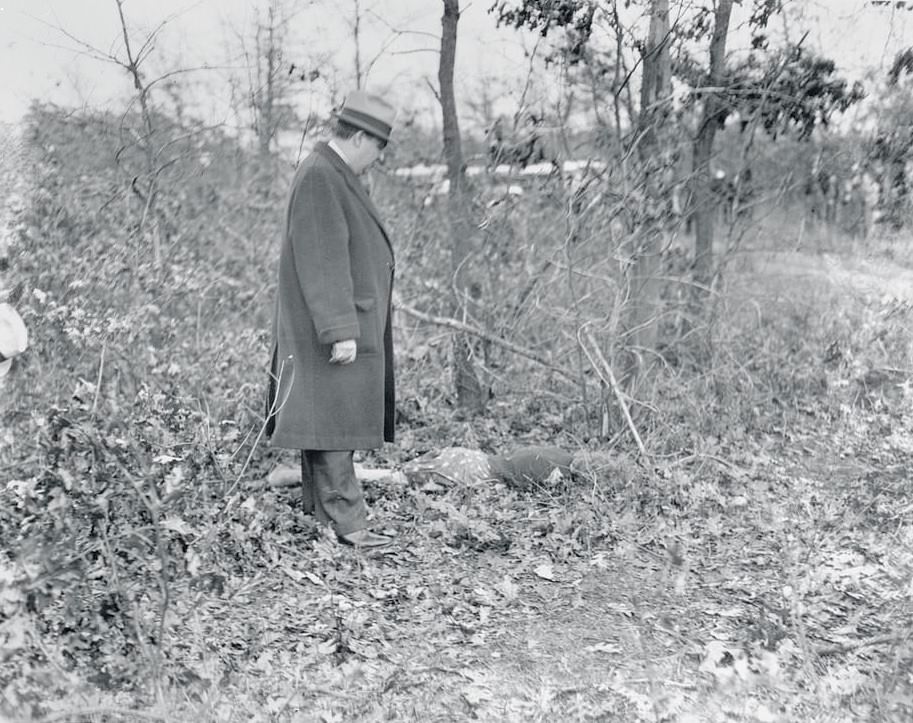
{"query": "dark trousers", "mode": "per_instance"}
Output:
(331, 490)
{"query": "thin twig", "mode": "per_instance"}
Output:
(101, 371)
(230, 494)
(433, 90)
(702, 455)
(837, 648)
(641, 681)
(604, 370)
(438, 669)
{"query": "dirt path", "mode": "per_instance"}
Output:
(880, 279)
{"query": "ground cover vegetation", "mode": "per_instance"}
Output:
(736, 544)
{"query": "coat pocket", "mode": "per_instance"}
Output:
(369, 336)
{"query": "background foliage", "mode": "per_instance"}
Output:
(133, 536)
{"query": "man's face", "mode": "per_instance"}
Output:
(370, 150)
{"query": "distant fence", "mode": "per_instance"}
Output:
(433, 177)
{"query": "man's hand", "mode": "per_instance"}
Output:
(343, 352)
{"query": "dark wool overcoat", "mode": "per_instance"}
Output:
(335, 283)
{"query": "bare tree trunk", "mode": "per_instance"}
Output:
(705, 205)
(264, 94)
(356, 31)
(470, 398)
(453, 150)
(271, 87)
(142, 91)
(268, 125)
(641, 312)
(657, 74)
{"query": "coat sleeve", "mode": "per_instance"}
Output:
(319, 235)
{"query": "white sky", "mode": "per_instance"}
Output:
(38, 61)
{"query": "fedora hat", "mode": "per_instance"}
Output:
(370, 113)
(14, 338)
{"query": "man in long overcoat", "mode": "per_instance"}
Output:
(331, 382)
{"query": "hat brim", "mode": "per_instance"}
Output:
(367, 123)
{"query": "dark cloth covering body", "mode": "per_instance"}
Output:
(530, 465)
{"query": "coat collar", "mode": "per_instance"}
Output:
(357, 187)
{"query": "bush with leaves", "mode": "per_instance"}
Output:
(139, 403)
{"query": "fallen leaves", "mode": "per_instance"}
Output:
(717, 588)
(508, 588)
(545, 571)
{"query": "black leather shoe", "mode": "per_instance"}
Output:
(365, 538)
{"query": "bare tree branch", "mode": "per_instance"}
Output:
(149, 43)
(88, 50)
(604, 370)
(465, 328)
(434, 90)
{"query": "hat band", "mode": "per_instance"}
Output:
(366, 122)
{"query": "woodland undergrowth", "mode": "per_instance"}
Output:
(760, 555)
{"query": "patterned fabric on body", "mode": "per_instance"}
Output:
(451, 465)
